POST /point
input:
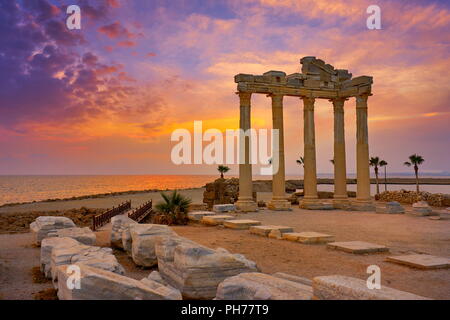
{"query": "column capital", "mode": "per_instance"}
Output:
(244, 95)
(361, 100)
(308, 103)
(277, 100)
(338, 104)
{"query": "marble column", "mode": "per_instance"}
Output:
(279, 201)
(245, 201)
(310, 198)
(340, 169)
(363, 200)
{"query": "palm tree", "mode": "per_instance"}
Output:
(174, 207)
(375, 162)
(301, 161)
(222, 169)
(415, 160)
(384, 164)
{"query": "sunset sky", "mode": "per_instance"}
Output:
(105, 99)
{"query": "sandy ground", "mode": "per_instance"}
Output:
(401, 233)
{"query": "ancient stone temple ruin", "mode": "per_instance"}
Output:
(317, 81)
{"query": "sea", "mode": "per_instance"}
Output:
(28, 188)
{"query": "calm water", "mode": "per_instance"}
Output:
(35, 188)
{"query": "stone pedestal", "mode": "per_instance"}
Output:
(362, 205)
(279, 205)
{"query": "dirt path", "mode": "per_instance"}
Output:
(17, 257)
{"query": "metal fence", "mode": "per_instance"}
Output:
(140, 213)
(105, 217)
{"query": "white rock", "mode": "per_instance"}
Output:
(97, 257)
(347, 288)
(47, 245)
(127, 241)
(422, 208)
(197, 270)
(119, 224)
(143, 242)
(48, 224)
(82, 235)
(98, 284)
(224, 208)
(259, 286)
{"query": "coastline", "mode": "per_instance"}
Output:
(259, 186)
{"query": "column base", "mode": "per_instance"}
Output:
(246, 206)
(279, 205)
(362, 205)
(315, 204)
(342, 203)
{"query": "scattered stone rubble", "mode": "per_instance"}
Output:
(347, 288)
(260, 286)
(119, 225)
(98, 284)
(47, 245)
(44, 225)
(143, 239)
(390, 207)
(82, 235)
(197, 270)
(186, 269)
(101, 258)
(422, 208)
(410, 197)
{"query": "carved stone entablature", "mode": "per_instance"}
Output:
(318, 80)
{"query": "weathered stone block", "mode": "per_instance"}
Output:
(421, 261)
(347, 288)
(198, 215)
(98, 284)
(119, 224)
(265, 230)
(291, 277)
(44, 225)
(101, 258)
(357, 247)
(240, 224)
(197, 270)
(143, 242)
(219, 208)
(216, 220)
(391, 207)
(47, 245)
(422, 208)
(82, 235)
(308, 237)
(316, 205)
(259, 286)
(241, 77)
